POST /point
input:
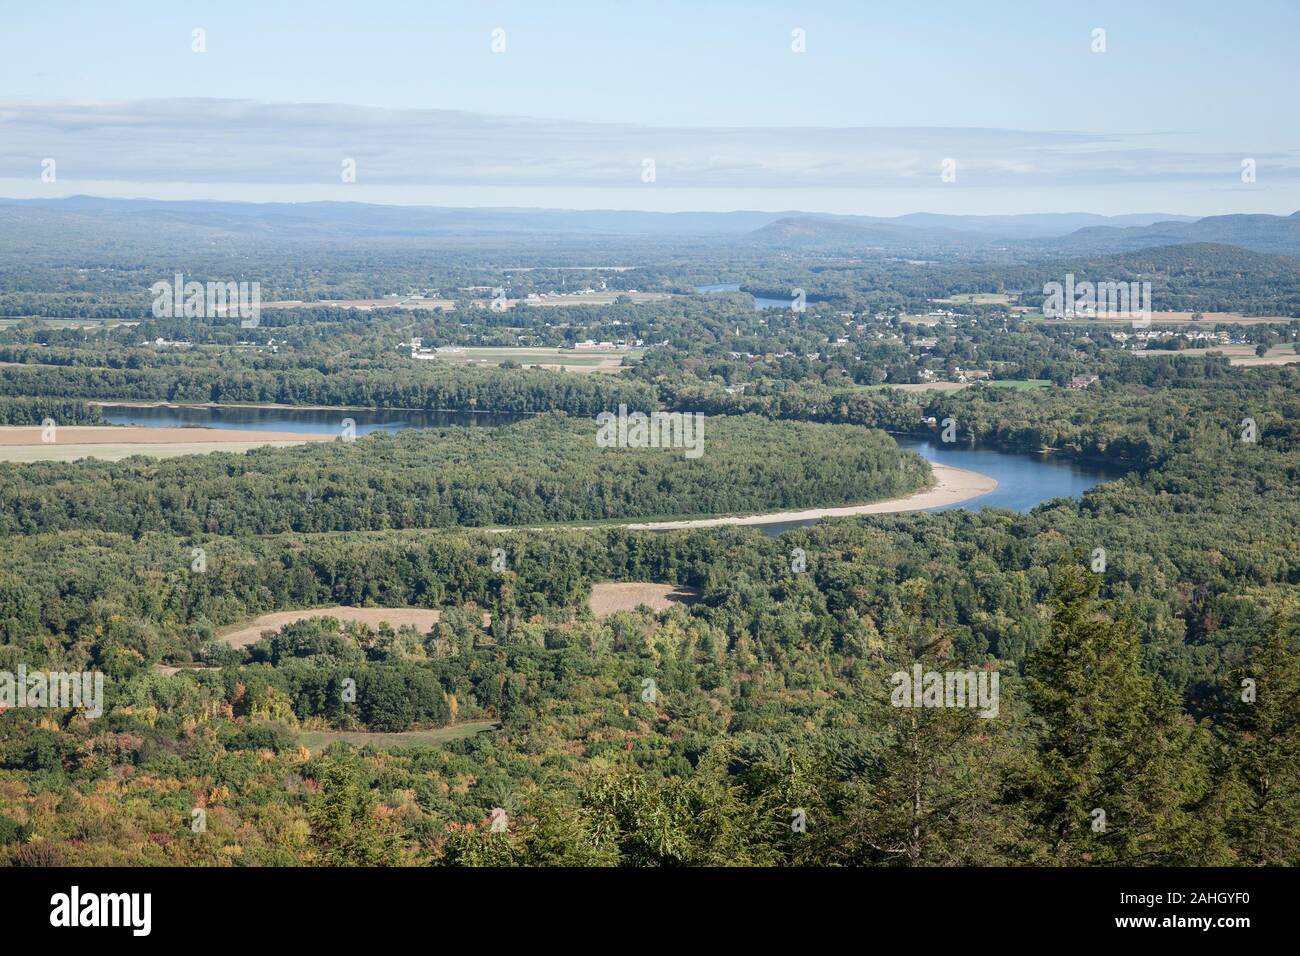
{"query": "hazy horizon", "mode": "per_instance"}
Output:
(612, 209)
(1002, 109)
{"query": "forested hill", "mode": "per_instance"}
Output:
(1200, 276)
(1263, 233)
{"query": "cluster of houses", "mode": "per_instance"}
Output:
(1197, 337)
(418, 351)
(271, 344)
(617, 345)
(959, 374)
(539, 296)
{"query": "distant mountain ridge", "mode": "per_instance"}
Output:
(1260, 232)
(566, 220)
(1050, 234)
(1279, 235)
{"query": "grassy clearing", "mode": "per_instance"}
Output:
(976, 298)
(592, 298)
(540, 357)
(1243, 355)
(317, 740)
(915, 387)
(1019, 384)
(69, 323)
(1011, 383)
(1158, 319)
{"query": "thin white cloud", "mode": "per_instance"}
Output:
(214, 141)
(256, 151)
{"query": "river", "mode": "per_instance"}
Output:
(760, 302)
(1024, 481)
(315, 421)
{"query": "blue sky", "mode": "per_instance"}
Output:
(584, 93)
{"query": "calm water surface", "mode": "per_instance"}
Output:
(760, 302)
(1024, 481)
(316, 421)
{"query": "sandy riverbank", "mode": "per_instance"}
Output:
(111, 442)
(952, 485)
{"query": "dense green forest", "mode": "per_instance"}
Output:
(773, 686)
(751, 724)
(771, 693)
(543, 470)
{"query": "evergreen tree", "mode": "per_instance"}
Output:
(344, 828)
(929, 795)
(1117, 774)
(1261, 763)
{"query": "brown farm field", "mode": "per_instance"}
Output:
(422, 618)
(113, 442)
(610, 597)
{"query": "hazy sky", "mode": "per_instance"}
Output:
(585, 94)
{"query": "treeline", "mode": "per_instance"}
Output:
(421, 387)
(34, 411)
(1126, 423)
